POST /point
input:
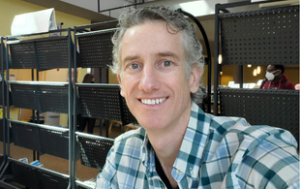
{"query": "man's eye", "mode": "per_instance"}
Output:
(134, 66)
(167, 63)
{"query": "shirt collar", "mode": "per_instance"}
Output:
(190, 154)
(192, 147)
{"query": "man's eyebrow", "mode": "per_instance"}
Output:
(161, 54)
(128, 58)
(168, 54)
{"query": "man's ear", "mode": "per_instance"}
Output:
(195, 78)
(279, 71)
(120, 82)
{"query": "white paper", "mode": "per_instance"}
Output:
(34, 22)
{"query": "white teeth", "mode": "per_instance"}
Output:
(153, 101)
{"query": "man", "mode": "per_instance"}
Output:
(275, 79)
(158, 60)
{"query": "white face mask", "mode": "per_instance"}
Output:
(270, 76)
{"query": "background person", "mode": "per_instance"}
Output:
(82, 121)
(275, 78)
(158, 60)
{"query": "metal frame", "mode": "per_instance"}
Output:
(79, 29)
(3, 104)
(208, 56)
(70, 97)
(218, 8)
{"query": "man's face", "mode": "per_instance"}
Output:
(154, 81)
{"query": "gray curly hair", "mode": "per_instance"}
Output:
(175, 23)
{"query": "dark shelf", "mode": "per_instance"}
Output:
(272, 107)
(100, 101)
(42, 53)
(41, 96)
(104, 101)
(37, 177)
(93, 149)
(263, 37)
(44, 139)
(95, 48)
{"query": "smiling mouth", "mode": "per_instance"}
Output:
(153, 101)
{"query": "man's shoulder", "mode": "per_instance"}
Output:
(129, 141)
(224, 124)
(258, 154)
(238, 130)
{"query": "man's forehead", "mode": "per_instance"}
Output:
(159, 42)
(271, 67)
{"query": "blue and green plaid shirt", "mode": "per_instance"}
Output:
(216, 152)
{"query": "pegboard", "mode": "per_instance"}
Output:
(42, 138)
(100, 101)
(42, 53)
(96, 48)
(42, 97)
(37, 178)
(93, 149)
(279, 108)
(261, 37)
(53, 98)
(53, 52)
(103, 101)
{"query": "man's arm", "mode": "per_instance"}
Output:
(273, 164)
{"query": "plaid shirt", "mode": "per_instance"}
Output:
(216, 152)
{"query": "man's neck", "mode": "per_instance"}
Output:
(277, 79)
(167, 142)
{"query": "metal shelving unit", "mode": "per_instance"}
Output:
(263, 37)
(42, 53)
(102, 101)
(2, 94)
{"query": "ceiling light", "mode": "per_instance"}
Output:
(197, 8)
(249, 65)
(220, 59)
(258, 69)
(254, 72)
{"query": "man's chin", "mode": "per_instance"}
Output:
(150, 124)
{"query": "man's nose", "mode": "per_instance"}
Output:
(149, 80)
